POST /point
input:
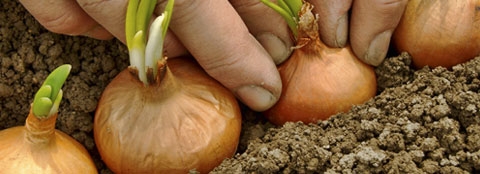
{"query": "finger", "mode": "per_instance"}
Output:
(98, 32)
(333, 21)
(267, 26)
(65, 17)
(372, 25)
(173, 47)
(216, 36)
(111, 14)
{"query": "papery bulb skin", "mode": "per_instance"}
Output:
(439, 33)
(321, 83)
(185, 121)
(318, 81)
(39, 148)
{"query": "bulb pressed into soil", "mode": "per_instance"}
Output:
(186, 120)
(39, 148)
(319, 81)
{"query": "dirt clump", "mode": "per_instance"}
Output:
(424, 121)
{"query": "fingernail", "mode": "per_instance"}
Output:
(342, 31)
(256, 97)
(378, 48)
(277, 48)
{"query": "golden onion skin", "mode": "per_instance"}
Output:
(186, 121)
(439, 33)
(319, 81)
(37, 148)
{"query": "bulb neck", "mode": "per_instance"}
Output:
(307, 24)
(160, 86)
(162, 69)
(40, 130)
(153, 79)
(166, 82)
(308, 36)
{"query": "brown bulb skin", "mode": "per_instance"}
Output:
(439, 33)
(39, 148)
(318, 82)
(185, 121)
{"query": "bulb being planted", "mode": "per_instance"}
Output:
(439, 33)
(162, 116)
(318, 81)
(38, 147)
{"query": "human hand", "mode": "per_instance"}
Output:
(234, 41)
(211, 30)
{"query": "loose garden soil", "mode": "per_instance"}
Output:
(421, 121)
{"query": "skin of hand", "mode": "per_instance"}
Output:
(237, 42)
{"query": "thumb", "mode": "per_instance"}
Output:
(372, 26)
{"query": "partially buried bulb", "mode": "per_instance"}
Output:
(38, 147)
(162, 116)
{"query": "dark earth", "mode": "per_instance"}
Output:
(421, 121)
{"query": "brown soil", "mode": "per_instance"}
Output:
(424, 121)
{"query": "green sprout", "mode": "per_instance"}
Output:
(288, 9)
(48, 97)
(145, 53)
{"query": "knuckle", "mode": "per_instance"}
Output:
(92, 4)
(227, 59)
(63, 23)
(220, 65)
(339, 5)
(248, 4)
(390, 11)
(387, 5)
(185, 9)
(185, 4)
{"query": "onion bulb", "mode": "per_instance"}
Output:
(38, 147)
(319, 81)
(439, 33)
(186, 120)
(156, 117)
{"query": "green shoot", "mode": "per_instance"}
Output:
(48, 97)
(154, 49)
(168, 12)
(57, 78)
(137, 55)
(56, 103)
(295, 6)
(144, 53)
(285, 14)
(42, 102)
(153, 4)
(288, 9)
(285, 7)
(158, 32)
(144, 13)
(130, 19)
